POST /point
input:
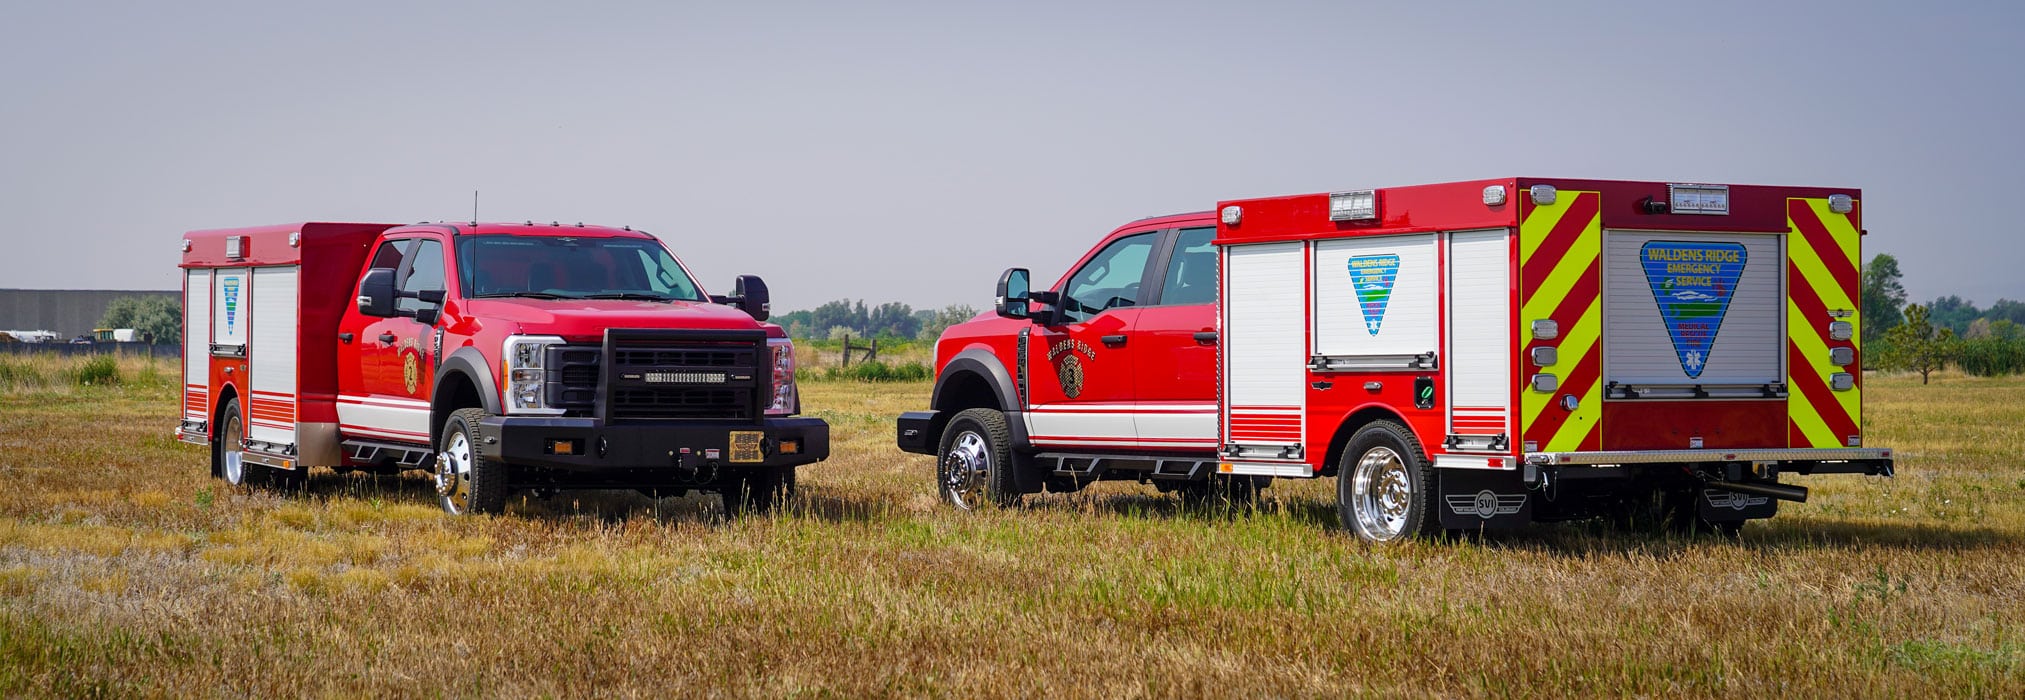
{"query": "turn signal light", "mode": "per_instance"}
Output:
(790, 447)
(565, 447)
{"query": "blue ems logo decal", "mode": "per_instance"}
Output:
(1373, 276)
(1693, 284)
(231, 304)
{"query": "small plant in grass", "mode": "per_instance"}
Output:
(20, 372)
(100, 370)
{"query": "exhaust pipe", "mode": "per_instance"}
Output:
(1783, 492)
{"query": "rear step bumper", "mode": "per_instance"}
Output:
(1844, 460)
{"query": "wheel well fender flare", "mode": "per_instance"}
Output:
(469, 366)
(986, 366)
(1352, 422)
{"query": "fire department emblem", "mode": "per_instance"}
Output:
(1068, 367)
(411, 370)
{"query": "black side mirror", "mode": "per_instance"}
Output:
(1013, 293)
(376, 293)
(431, 296)
(427, 315)
(748, 294)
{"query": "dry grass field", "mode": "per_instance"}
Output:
(126, 571)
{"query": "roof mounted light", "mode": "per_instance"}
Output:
(1841, 203)
(1494, 195)
(1543, 195)
(1698, 199)
(1232, 214)
(1355, 205)
(186, 245)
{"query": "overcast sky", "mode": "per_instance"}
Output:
(909, 152)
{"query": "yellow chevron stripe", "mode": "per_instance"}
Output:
(1800, 408)
(1575, 344)
(1809, 261)
(1569, 438)
(1567, 271)
(1815, 347)
(1533, 231)
(1839, 228)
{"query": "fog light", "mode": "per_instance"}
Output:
(790, 447)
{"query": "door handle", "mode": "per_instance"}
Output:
(1206, 338)
(1113, 340)
(345, 338)
(387, 338)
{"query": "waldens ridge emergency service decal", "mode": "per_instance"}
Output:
(1373, 277)
(1693, 284)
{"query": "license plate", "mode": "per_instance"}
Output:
(745, 446)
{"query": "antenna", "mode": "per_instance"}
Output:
(474, 207)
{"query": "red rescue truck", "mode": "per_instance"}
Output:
(1459, 356)
(496, 356)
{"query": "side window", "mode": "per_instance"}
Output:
(390, 254)
(424, 272)
(1110, 280)
(1191, 270)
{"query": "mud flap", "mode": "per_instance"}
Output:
(1478, 499)
(1719, 506)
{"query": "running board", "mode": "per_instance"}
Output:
(368, 452)
(1094, 466)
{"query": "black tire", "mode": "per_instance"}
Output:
(227, 463)
(1385, 485)
(1221, 492)
(467, 482)
(974, 465)
(759, 490)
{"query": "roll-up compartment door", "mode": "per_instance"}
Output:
(1693, 315)
(196, 345)
(272, 362)
(1375, 302)
(1479, 359)
(1264, 341)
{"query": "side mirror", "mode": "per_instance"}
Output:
(1013, 293)
(431, 296)
(376, 293)
(427, 315)
(748, 294)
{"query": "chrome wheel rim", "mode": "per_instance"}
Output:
(1380, 495)
(234, 469)
(965, 470)
(453, 474)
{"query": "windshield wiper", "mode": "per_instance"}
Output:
(630, 295)
(530, 295)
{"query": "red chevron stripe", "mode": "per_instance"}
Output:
(1566, 232)
(1824, 246)
(1808, 386)
(1579, 382)
(1814, 314)
(1580, 297)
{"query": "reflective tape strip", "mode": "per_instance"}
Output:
(1824, 253)
(1561, 279)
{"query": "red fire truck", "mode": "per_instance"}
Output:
(496, 356)
(1460, 356)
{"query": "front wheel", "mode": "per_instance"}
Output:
(974, 467)
(1385, 485)
(466, 481)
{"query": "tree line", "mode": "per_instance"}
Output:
(1946, 332)
(891, 320)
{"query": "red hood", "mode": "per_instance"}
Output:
(590, 317)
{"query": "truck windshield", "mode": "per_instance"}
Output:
(571, 267)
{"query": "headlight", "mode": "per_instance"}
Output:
(785, 401)
(523, 374)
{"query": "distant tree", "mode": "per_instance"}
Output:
(1883, 295)
(156, 317)
(891, 319)
(940, 320)
(1978, 329)
(1918, 345)
(2006, 329)
(1953, 313)
(842, 332)
(2006, 310)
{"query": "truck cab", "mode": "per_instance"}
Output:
(497, 356)
(1108, 374)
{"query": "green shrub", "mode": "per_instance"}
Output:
(874, 371)
(100, 370)
(20, 372)
(1991, 357)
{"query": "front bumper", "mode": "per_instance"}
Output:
(593, 446)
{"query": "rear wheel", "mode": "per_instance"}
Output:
(228, 461)
(467, 482)
(1385, 485)
(974, 466)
